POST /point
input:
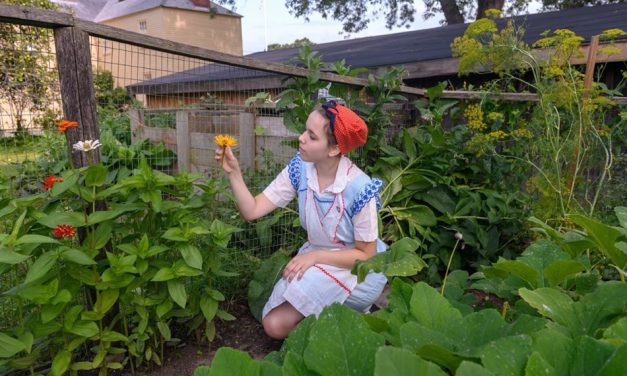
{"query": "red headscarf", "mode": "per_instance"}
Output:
(349, 129)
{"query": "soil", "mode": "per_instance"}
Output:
(245, 333)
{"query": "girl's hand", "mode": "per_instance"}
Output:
(230, 163)
(299, 265)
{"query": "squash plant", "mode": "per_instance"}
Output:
(557, 329)
(110, 269)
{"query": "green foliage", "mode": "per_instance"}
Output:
(422, 332)
(25, 57)
(565, 138)
(137, 261)
(433, 190)
(107, 95)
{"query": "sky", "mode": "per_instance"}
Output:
(285, 28)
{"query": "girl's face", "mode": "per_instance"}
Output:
(314, 143)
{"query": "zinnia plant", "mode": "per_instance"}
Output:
(49, 182)
(64, 124)
(64, 231)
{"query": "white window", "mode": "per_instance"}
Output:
(143, 26)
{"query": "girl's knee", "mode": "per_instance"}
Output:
(275, 327)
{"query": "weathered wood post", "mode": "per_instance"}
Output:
(182, 141)
(77, 90)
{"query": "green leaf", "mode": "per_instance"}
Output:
(105, 215)
(586, 316)
(592, 355)
(61, 363)
(40, 294)
(175, 234)
(615, 365)
(36, 239)
(41, 267)
(100, 237)
(555, 348)
(164, 329)
(54, 219)
(520, 270)
(191, 255)
(430, 309)
(537, 366)
(209, 307)
(27, 339)
(617, 331)
(10, 257)
(164, 274)
(164, 308)
(95, 175)
(340, 343)
(106, 300)
(621, 214)
(400, 260)
(560, 270)
(77, 256)
(112, 336)
(396, 361)
(69, 177)
(224, 315)
(604, 237)
(177, 292)
(9, 346)
(506, 356)
(229, 362)
(467, 368)
(84, 328)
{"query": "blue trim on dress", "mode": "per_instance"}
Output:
(370, 190)
(294, 170)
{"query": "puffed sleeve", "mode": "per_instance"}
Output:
(280, 191)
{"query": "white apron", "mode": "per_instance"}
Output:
(321, 285)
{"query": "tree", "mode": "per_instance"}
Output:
(297, 43)
(25, 76)
(356, 14)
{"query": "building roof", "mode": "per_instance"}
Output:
(83, 9)
(104, 10)
(412, 46)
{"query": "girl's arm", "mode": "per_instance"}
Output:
(250, 207)
(342, 259)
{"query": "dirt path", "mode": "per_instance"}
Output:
(245, 333)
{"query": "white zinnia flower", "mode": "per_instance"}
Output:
(86, 145)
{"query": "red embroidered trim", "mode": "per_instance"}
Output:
(334, 279)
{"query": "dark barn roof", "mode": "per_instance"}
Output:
(403, 48)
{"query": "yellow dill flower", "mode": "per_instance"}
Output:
(522, 133)
(496, 135)
(623, 115)
(224, 140)
(612, 34)
(474, 115)
(496, 116)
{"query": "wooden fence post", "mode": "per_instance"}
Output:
(246, 140)
(77, 90)
(136, 117)
(182, 140)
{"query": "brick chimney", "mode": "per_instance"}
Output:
(202, 3)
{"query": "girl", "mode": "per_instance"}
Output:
(338, 206)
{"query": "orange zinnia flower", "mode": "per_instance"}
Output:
(64, 231)
(50, 180)
(63, 125)
(224, 140)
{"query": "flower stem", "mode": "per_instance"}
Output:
(448, 266)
